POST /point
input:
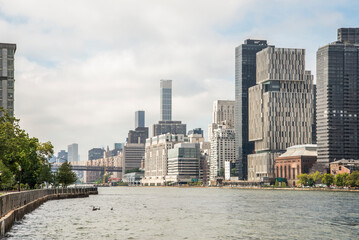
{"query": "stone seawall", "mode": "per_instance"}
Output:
(13, 206)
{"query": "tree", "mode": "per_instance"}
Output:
(303, 179)
(221, 172)
(21, 154)
(7, 177)
(328, 179)
(353, 179)
(45, 175)
(317, 176)
(340, 180)
(65, 175)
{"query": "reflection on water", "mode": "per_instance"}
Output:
(195, 213)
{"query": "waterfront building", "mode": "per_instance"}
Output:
(133, 179)
(183, 163)
(280, 108)
(96, 153)
(166, 100)
(156, 157)
(7, 80)
(173, 127)
(338, 98)
(222, 150)
(132, 156)
(296, 160)
(139, 119)
(73, 152)
(245, 77)
(344, 166)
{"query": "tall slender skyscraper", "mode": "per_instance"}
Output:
(245, 78)
(166, 100)
(7, 52)
(139, 119)
(338, 98)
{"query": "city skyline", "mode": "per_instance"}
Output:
(78, 77)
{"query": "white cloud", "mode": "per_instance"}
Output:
(84, 67)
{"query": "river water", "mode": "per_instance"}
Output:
(195, 213)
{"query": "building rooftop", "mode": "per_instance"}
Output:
(301, 150)
(347, 161)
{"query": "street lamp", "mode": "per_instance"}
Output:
(20, 178)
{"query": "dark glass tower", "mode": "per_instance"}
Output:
(245, 78)
(338, 98)
(139, 119)
(166, 100)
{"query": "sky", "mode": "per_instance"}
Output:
(82, 68)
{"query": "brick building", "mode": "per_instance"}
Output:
(296, 160)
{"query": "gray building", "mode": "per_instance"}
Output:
(196, 131)
(96, 153)
(183, 163)
(7, 52)
(166, 100)
(245, 77)
(73, 152)
(132, 155)
(139, 135)
(173, 127)
(280, 108)
(139, 119)
(62, 156)
(338, 98)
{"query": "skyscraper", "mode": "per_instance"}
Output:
(7, 52)
(338, 98)
(280, 108)
(73, 152)
(166, 100)
(245, 77)
(139, 119)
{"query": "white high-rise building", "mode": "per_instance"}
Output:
(222, 137)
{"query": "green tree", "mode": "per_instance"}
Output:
(7, 177)
(221, 172)
(317, 176)
(46, 176)
(353, 179)
(303, 179)
(340, 180)
(21, 154)
(65, 176)
(328, 179)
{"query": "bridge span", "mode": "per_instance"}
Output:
(90, 168)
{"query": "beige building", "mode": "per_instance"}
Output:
(223, 114)
(156, 157)
(281, 108)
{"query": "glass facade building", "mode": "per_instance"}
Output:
(166, 100)
(338, 98)
(139, 119)
(245, 77)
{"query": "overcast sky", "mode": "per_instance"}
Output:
(84, 67)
